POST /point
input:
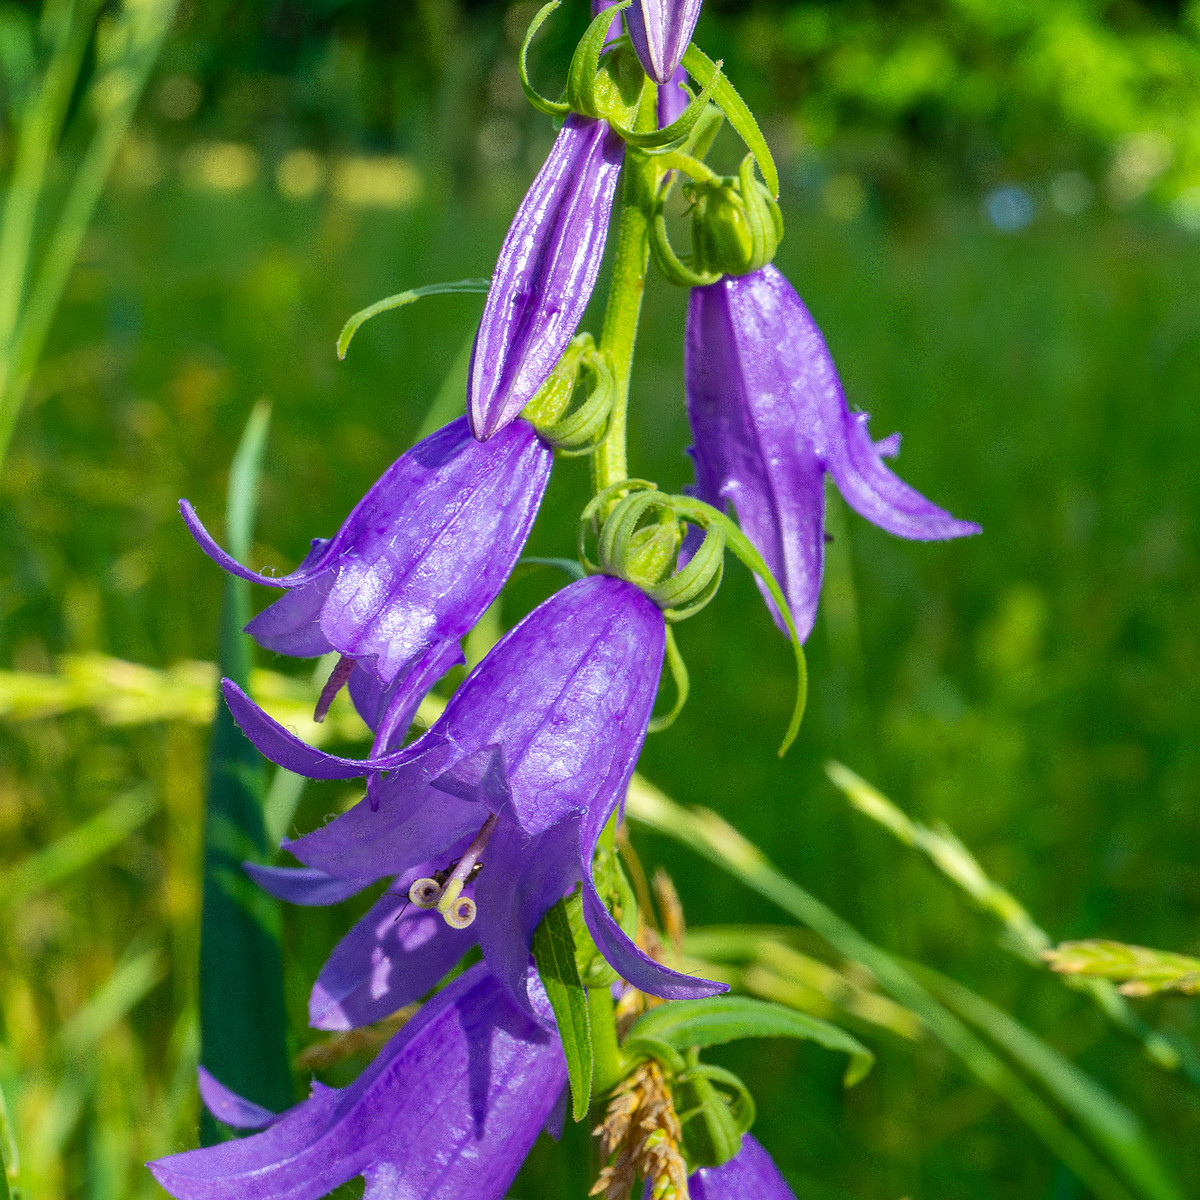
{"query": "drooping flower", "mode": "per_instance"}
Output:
(509, 790)
(545, 273)
(449, 1108)
(660, 31)
(750, 1175)
(769, 419)
(413, 568)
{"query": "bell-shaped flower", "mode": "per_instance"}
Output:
(545, 273)
(413, 568)
(449, 1108)
(509, 790)
(769, 419)
(660, 31)
(750, 1175)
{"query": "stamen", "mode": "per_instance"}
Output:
(447, 905)
(461, 914)
(337, 680)
(425, 893)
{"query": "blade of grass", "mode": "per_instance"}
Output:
(1023, 936)
(242, 1016)
(713, 838)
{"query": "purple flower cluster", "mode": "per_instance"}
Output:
(486, 820)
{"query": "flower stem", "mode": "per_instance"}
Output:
(607, 1069)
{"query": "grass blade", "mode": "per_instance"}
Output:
(713, 838)
(242, 1017)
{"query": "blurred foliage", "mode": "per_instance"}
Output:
(1035, 689)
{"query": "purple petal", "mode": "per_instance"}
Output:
(672, 99)
(449, 1108)
(312, 565)
(521, 878)
(566, 695)
(390, 958)
(229, 1107)
(748, 451)
(413, 823)
(631, 963)
(769, 416)
(660, 31)
(545, 273)
(428, 548)
(399, 704)
(614, 30)
(285, 749)
(304, 885)
(750, 1175)
(291, 625)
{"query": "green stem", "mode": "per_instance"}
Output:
(610, 461)
(607, 1068)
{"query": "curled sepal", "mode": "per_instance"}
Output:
(399, 300)
(590, 520)
(707, 517)
(736, 224)
(713, 1120)
(671, 266)
(676, 134)
(679, 676)
(575, 431)
(596, 93)
(639, 541)
(552, 108)
(702, 68)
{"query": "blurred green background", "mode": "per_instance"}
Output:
(993, 211)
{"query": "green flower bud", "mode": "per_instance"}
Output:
(736, 225)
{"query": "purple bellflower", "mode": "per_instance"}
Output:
(545, 273)
(769, 419)
(749, 1175)
(509, 791)
(413, 568)
(449, 1108)
(660, 31)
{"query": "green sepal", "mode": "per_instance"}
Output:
(552, 108)
(706, 516)
(742, 1108)
(725, 96)
(673, 136)
(719, 1019)
(590, 518)
(585, 63)
(679, 676)
(575, 432)
(568, 566)
(554, 955)
(711, 1133)
(399, 300)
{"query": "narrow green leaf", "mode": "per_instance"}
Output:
(554, 953)
(399, 300)
(721, 1019)
(243, 1020)
(713, 838)
(702, 68)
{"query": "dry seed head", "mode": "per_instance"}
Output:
(642, 1131)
